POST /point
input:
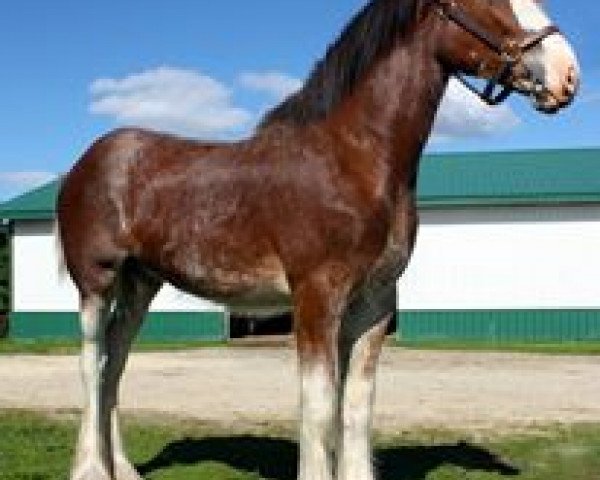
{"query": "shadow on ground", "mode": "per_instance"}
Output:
(275, 459)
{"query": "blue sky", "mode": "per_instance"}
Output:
(73, 70)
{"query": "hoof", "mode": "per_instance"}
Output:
(91, 471)
(125, 471)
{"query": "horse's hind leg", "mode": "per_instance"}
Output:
(134, 293)
(93, 460)
(109, 322)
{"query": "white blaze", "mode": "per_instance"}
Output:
(530, 14)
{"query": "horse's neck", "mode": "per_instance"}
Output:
(392, 112)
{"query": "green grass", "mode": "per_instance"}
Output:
(69, 347)
(557, 348)
(36, 447)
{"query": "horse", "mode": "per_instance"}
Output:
(314, 213)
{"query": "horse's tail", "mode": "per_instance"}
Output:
(61, 265)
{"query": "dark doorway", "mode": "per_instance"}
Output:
(243, 326)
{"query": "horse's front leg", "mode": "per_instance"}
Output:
(363, 333)
(318, 302)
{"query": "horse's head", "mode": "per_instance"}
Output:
(511, 43)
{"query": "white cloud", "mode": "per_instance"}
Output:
(190, 103)
(276, 84)
(15, 183)
(171, 99)
(26, 179)
(463, 115)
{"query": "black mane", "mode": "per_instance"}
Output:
(370, 34)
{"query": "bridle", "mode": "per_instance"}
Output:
(510, 51)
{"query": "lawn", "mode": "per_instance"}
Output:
(35, 447)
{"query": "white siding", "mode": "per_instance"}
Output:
(500, 258)
(39, 287)
(503, 258)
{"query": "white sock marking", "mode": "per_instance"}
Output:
(357, 406)
(93, 456)
(317, 417)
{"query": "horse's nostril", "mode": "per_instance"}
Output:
(571, 84)
(571, 76)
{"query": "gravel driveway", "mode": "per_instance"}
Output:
(415, 388)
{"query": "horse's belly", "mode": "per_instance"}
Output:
(261, 288)
(267, 299)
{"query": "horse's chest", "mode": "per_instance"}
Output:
(391, 264)
(376, 296)
(395, 256)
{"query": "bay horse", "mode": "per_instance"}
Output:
(314, 213)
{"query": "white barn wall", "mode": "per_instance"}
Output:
(505, 258)
(465, 259)
(39, 287)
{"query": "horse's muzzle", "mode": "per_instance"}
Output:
(546, 98)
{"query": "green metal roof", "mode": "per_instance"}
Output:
(510, 178)
(446, 180)
(37, 204)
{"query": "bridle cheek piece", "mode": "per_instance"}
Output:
(511, 53)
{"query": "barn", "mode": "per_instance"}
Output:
(507, 251)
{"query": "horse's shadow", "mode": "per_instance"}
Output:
(275, 459)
